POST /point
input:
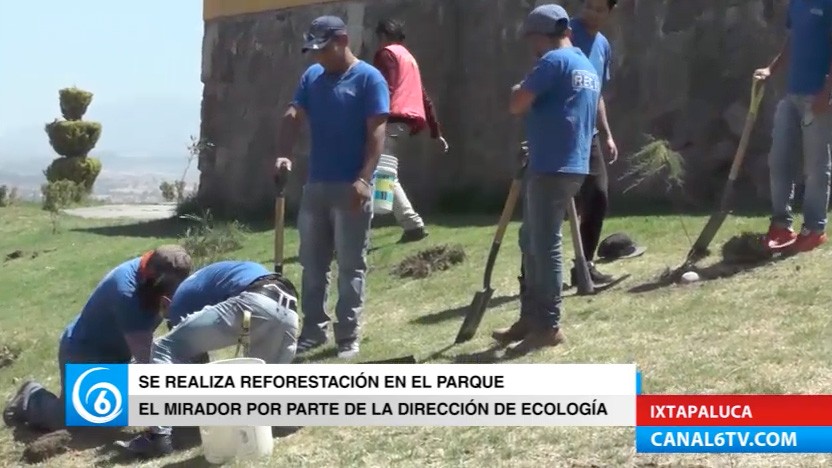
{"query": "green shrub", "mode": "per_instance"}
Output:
(73, 138)
(60, 194)
(82, 171)
(168, 191)
(74, 102)
(5, 198)
(208, 241)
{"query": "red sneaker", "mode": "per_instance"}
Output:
(780, 237)
(808, 240)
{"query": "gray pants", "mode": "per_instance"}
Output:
(328, 223)
(545, 202)
(798, 132)
(43, 409)
(274, 329)
(405, 215)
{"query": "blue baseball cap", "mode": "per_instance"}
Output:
(321, 31)
(546, 19)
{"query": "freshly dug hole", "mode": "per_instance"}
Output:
(425, 262)
(47, 446)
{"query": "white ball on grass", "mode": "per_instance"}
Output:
(690, 277)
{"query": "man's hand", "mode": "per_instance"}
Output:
(361, 193)
(762, 74)
(821, 102)
(282, 162)
(444, 143)
(612, 149)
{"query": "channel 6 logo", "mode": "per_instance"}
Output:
(96, 395)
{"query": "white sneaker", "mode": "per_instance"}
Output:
(348, 350)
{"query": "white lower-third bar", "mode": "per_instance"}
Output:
(383, 411)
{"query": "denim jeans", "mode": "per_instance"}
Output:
(545, 202)
(45, 410)
(328, 224)
(273, 335)
(403, 210)
(795, 124)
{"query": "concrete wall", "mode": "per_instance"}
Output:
(681, 72)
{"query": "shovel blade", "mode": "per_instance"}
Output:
(411, 359)
(474, 316)
(700, 247)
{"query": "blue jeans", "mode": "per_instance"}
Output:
(274, 329)
(45, 410)
(328, 225)
(794, 124)
(545, 202)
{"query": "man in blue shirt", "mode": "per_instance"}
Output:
(345, 102)
(803, 114)
(115, 325)
(206, 314)
(559, 98)
(593, 198)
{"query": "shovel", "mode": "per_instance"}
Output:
(280, 179)
(585, 285)
(399, 360)
(700, 247)
(477, 308)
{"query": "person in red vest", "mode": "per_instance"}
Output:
(411, 111)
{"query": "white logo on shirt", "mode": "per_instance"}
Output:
(582, 79)
(816, 11)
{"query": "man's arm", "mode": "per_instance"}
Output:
(538, 81)
(290, 126)
(140, 343)
(430, 116)
(376, 127)
(603, 123)
(385, 62)
(782, 55)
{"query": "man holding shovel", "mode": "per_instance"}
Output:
(411, 111)
(346, 102)
(804, 113)
(559, 99)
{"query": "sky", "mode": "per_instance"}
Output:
(125, 52)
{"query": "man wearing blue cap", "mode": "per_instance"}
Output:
(346, 102)
(559, 99)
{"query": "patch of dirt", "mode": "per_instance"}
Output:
(8, 356)
(746, 248)
(426, 262)
(47, 446)
(20, 254)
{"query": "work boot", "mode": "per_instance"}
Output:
(13, 412)
(148, 445)
(596, 276)
(413, 235)
(537, 339)
(516, 332)
(306, 344)
(809, 240)
(780, 237)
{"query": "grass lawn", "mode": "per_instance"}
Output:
(760, 331)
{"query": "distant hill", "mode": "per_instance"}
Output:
(148, 134)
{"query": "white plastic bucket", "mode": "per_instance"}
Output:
(383, 181)
(222, 444)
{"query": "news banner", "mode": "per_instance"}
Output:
(445, 395)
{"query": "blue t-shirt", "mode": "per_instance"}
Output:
(211, 285)
(810, 23)
(112, 310)
(337, 107)
(596, 48)
(561, 122)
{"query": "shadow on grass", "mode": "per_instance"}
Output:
(171, 227)
(198, 461)
(43, 446)
(716, 271)
(459, 312)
